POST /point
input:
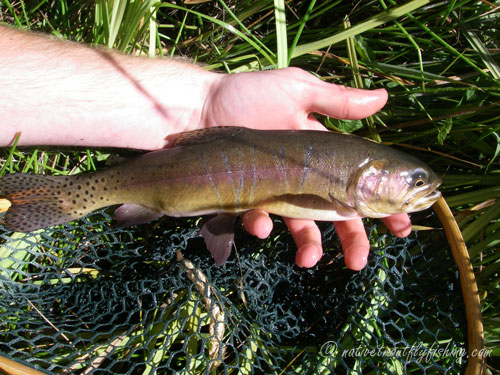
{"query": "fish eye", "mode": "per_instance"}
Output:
(418, 178)
(419, 182)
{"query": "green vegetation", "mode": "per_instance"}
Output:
(438, 60)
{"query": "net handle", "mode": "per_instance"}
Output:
(11, 367)
(4, 205)
(470, 292)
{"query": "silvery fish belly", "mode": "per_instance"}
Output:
(227, 171)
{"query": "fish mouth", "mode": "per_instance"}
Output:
(427, 200)
(433, 195)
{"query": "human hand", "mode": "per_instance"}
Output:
(287, 99)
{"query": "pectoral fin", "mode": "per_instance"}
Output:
(218, 233)
(134, 214)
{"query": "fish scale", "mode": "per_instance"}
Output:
(227, 171)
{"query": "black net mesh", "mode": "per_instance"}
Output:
(87, 298)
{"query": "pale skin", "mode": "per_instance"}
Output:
(60, 93)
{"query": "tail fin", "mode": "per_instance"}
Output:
(39, 201)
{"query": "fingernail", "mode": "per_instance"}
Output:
(403, 233)
(307, 256)
(356, 264)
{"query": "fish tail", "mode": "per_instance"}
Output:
(39, 201)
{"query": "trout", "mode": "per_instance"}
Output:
(227, 171)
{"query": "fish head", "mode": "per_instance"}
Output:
(385, 187)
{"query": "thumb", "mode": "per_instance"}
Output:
(346, 102)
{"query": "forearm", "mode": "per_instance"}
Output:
(55, 92)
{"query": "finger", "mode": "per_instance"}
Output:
(257, 223)
(354, 242)
(399, 225)
(307, 237)
(346, 102)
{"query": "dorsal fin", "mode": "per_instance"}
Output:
(199, 136)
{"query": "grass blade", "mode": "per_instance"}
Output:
(477, 225)
(116, 20)
(450, 48)
(371, 23)
(244, 28)
(280, 17)
(483, 52)
(8, 162)
(301, 28)
(358, 81)
(228, 27)
(153, 28)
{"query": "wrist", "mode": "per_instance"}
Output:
(169, 97)
(184, 95)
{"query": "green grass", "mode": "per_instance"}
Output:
(440, 64)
